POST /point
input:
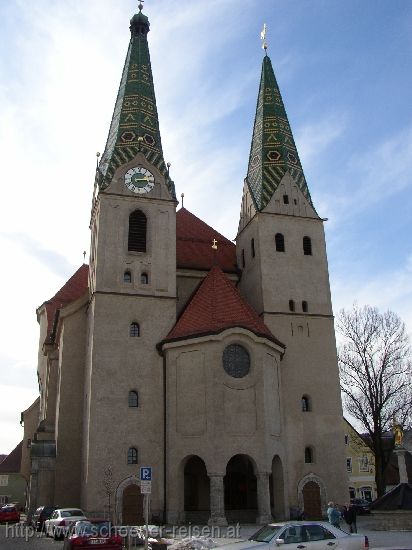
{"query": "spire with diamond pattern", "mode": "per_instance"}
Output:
(273, 151)
(135, 123)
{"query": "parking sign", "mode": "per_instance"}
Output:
(146, 473)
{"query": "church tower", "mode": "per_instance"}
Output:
(132, 282)
(282, 252)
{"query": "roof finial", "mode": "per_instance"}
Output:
(263, 38)
(140, 6)
(214, 244)
(183, 196)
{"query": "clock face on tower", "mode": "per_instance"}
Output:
(139, 180)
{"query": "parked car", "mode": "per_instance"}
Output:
(320, 536)
(362, 506)
(40, 515)
(9, 514)
(60, 520)
(97, 532)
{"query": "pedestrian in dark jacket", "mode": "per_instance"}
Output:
(350, 517)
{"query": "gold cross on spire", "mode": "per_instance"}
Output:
(263, 38)
(214, 244)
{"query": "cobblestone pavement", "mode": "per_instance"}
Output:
(18, 537)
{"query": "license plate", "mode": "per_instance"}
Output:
(97, 541)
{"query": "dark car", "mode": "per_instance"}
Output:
(361, 506)
(9, 514)
(98, 532)
(40, 515)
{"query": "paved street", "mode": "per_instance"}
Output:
(19, 538)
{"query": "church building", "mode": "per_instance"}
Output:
(214, 363)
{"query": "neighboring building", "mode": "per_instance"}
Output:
(213, 363)
(13, 485)
(360, 464)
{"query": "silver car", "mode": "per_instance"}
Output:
(60, 520)
(301, 535)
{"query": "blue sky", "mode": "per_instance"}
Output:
(345, 73)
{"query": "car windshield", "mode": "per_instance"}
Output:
(101, 528)
(71, 513)
(266, 533)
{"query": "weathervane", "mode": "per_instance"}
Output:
(263, 38)
(140, 6)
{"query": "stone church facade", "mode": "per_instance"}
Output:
(213, 363)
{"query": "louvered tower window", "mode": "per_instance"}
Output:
(307, 246)
(280, 242)
(133, 399)
(137, 231)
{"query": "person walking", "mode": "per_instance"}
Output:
(334, 516)
(350, 517)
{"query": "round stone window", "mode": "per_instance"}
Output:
(236, 361)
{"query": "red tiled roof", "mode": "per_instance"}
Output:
(73, 289)
(11, 464)
(217, 305)
(194, 245)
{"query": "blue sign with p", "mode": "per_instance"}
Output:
(146, 473)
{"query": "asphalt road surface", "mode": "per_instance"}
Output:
(19, 537)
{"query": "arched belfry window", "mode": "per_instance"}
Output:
(133, 399)
(134, 330)
(307, 246)
(280, 242)
(132, 455)
(137, 231)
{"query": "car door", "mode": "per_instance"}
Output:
(308, 537)
(320, 538)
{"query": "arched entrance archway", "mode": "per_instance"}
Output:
(311, 500)
(276, 488)
(196, 491)
(132, 506)
(240, 490)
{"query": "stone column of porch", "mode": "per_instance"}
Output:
(217, 500)
(263, 498)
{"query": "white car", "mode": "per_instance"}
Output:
(301, 535)
(60, 520)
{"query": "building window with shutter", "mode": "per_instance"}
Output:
(137, 232)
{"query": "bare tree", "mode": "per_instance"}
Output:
(108, 484)
(375, 374)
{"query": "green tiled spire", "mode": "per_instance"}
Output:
(135, 123)
(273, 151)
